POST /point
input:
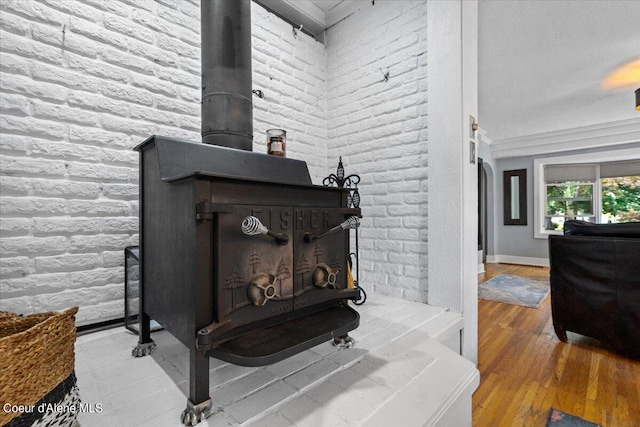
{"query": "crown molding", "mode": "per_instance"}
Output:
(593, 136)
(482, 137)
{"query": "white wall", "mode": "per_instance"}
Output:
(380, 130)
(82, 83)
(291, 71)
(452, 184)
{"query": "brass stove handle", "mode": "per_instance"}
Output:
(251, 226)
(261, 289)
(325, 276)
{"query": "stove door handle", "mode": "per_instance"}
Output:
(351, 222)
(251, 226)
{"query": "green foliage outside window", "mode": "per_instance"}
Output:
(621, 198)
(568, 200)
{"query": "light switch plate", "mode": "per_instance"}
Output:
(472, 152)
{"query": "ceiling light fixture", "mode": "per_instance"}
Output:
(626, 76)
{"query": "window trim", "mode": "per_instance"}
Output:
(539, 184)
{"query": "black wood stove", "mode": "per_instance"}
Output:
(242, 258)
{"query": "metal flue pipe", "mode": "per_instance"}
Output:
(227, 107)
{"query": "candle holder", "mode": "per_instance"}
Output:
(353, 201)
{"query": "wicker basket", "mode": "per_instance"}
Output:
(36, 357)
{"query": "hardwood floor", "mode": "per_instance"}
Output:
(526, 370)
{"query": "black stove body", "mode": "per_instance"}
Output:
(247, 299)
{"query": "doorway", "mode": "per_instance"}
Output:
(482, 212)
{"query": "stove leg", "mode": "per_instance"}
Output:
(193, 414)
(198, 389)
(344, 341)
(145, 345)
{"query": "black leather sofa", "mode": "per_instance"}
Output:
(595, 284)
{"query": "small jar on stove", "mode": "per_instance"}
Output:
(277, 142)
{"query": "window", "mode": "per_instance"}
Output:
(569, 200)
(607, 191)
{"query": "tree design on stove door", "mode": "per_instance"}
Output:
(303, 268)
(233, 282)
(317, 252)
(254, 260)
(282, 273)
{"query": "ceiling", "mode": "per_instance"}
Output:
(326, 5)
(542, 64)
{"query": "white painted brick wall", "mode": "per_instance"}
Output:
(291, 71)
(380, 130)
(81, 83)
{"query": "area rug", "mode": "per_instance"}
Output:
(560, 419)
(514, 290)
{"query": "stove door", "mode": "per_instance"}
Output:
(253, 274)
(320, 266)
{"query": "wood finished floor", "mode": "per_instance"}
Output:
(525, 369)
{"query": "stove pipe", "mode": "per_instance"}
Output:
(227, 107)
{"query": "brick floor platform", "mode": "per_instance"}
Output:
(403, 370)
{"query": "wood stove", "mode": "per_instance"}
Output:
(247, 299)
(241, 257)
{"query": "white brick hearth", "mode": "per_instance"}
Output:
(402, 371)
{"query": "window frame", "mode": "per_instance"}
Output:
(596, 191)
(540, 186)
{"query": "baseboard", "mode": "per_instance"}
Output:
(99, 326)
(522, 260)
(481, 267)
